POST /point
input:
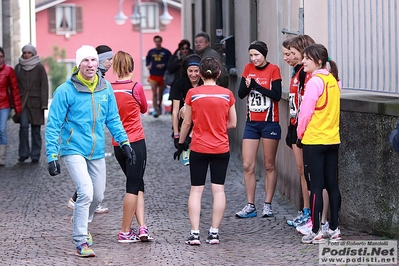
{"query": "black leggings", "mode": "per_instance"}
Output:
(217, 163)
(321, 165)
(134, 173)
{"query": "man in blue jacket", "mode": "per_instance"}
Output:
(81, 108)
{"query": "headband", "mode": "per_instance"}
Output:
(193, 64)
(258, 48)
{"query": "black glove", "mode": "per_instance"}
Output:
(182, 147)
(299, 143)
(129, 153)
(176, 142)
(54, 168)
(188, 141)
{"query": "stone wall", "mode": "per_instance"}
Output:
(368, 167)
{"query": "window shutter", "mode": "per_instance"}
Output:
(79, 20)
(51, 20)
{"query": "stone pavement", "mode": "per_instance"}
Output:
(36, 230)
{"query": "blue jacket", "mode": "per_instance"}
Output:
(77, 120)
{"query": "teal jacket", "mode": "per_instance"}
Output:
(77, 119)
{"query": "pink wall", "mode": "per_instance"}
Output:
(99, 27)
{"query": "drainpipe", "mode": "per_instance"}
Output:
(301, 18)
(330, 29)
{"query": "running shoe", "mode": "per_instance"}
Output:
(193, 239)
(100, 209)
(89, 240)
(248, 211)
(301, 219)
(143, 233)
(130, 237)
(71, 204)
(306, 228)
(84, 250)
(312, 238)
(267, 211)
(324, 229)
(335, 235)
(185, 157)
(213, 238)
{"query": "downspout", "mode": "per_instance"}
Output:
(331, 49)
(301, 18)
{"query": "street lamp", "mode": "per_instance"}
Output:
(136, 20)
(120, 18)
(136, 17)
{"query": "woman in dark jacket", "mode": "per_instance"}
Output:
(175, 64)
(9, 98)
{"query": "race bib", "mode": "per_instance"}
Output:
(258, 102)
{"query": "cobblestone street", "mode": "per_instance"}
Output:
(36, 229)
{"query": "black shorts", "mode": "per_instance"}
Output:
(217, 163)
(134, 173)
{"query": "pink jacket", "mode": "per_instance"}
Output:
(314, 88)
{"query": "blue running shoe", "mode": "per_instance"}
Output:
(248, 211)
(185, 157)
(301, 219)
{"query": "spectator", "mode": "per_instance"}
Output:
(203, 49)
(33, 84)
(9, 99)
(175, 64)
(84, 104)
(157, 61)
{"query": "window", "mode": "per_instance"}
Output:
(65, 19)
(149, 17)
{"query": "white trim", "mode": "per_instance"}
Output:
(48, 5)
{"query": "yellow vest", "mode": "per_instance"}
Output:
(323, 127)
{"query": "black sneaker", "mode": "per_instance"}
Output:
(193, 239)
(213, 238)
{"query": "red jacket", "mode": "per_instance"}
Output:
(9, 92)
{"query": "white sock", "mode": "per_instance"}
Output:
(195, 232)
(213, 230)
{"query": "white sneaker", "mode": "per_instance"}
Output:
(324, 229)
(100, 209)
(71, 204)
(335, 235)
(312, 238)
(306, 228)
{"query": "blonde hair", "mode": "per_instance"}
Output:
(122, 64)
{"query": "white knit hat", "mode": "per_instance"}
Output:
(85, 51)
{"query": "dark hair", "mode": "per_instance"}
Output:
(203, 34)
(103, 49)
(190, 60)
(184, 42)
(157, 37)
(259, 46)
(318, 53)
(2, 50)
(301, 42)
(122, 63)
(210, 68)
